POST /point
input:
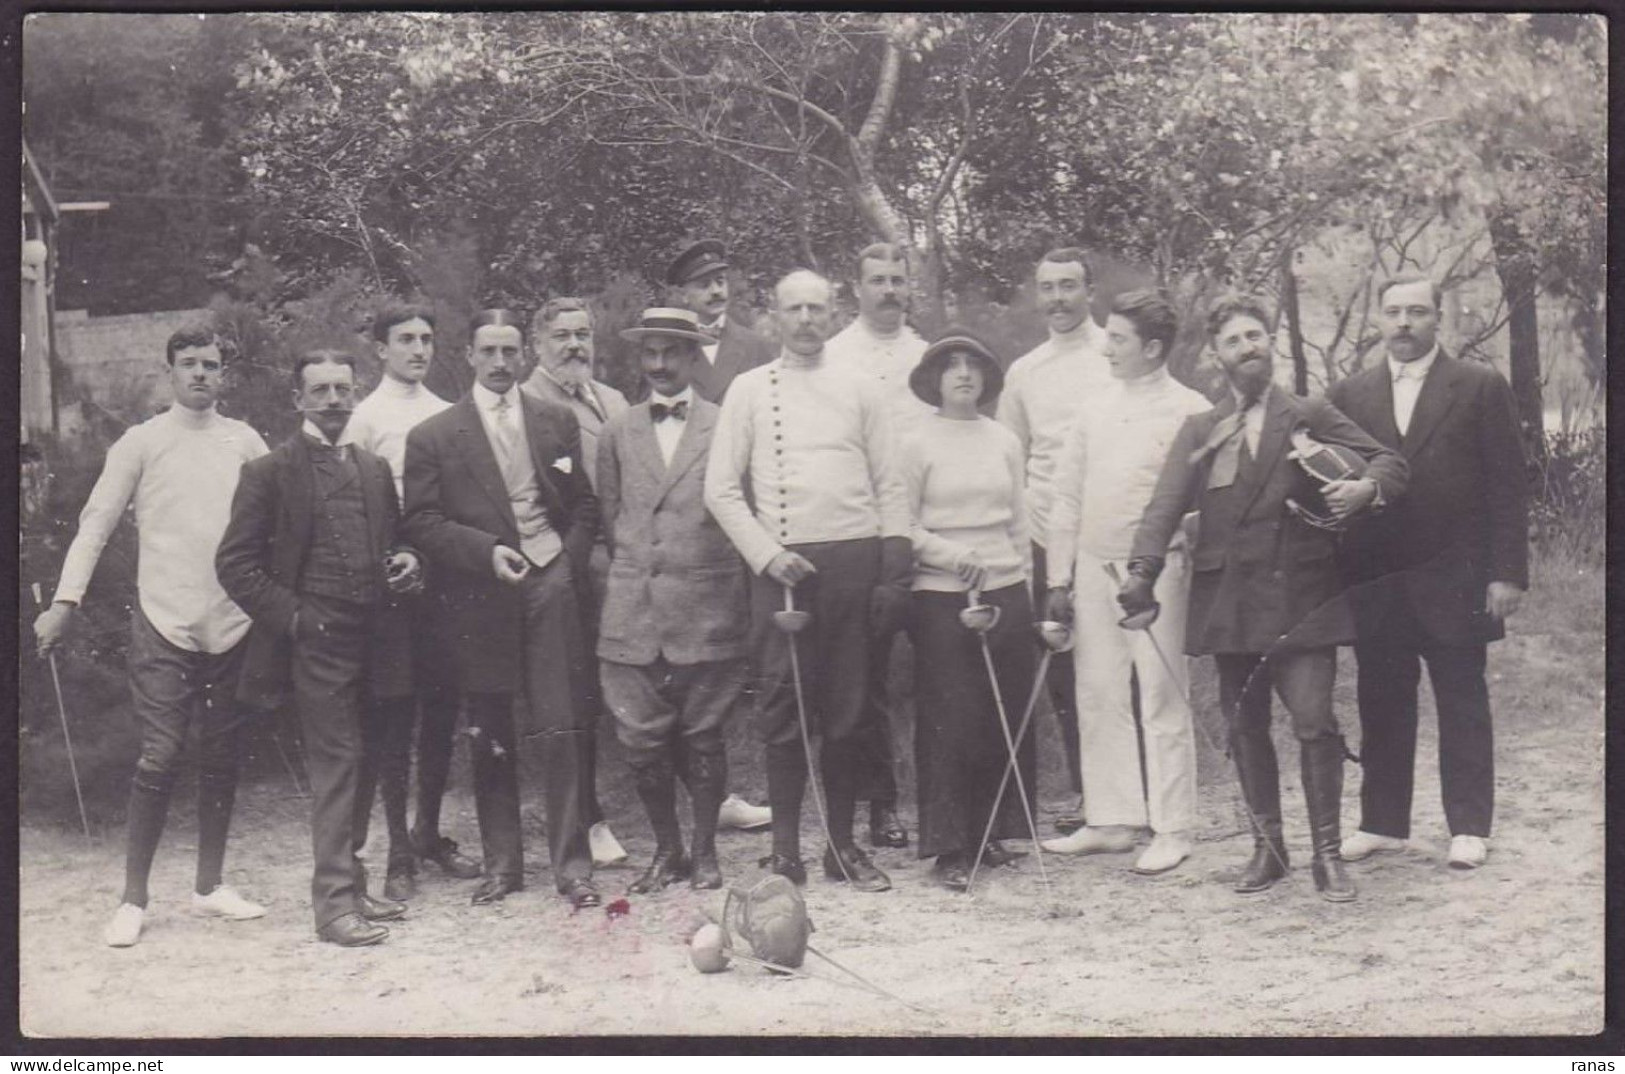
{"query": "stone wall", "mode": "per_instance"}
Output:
(117, 363)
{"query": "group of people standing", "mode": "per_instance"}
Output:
(760, 532)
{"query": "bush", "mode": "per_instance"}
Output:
(1568, 508)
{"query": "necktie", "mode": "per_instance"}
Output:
(676, 411)
(1224, 444)
(581, 392)
(507, 438)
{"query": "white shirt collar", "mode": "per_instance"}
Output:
(391, 388)
(309, 429)
(191, 419)
(486, 399)
(717, 325)
(684, 396)
(1262, 401)
(1147, 381)
(1417, 368)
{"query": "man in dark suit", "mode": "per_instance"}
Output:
(310, 555)
(676, 613)
(1265, 594)
(698, 278)
(1435, 577)
(498, 500)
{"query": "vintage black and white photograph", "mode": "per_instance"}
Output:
(812, 523)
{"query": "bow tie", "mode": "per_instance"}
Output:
(676, 411)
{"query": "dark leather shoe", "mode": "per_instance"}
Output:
(400, 887)
(444, 853)
(1330, 879)
(998, 855)
(858, 870)
(667, 867)
(581, 894)
(351, 930)
(885, 830)
(789, 868)
(950, 872)
(378, 909)
(1268, 864)
(494, 889)
(707, 874)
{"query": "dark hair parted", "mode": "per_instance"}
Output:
(1229, 306)
(189, 335)
(499, 318)
(1151, 314)
(320, 356)
(1070, 255)
(398, 313)
(1405, 278)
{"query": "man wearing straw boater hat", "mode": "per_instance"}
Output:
(672, 643)
(824, 527)
(697, 280)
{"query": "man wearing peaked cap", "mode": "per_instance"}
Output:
(698, 279)
(676, 613)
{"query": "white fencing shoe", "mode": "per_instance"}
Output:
(225, 902)
(1468, 851)
(738, 813)
(1166, 851)
(1093, 840)
(606, 849)
(1364, 844)
(125, 928)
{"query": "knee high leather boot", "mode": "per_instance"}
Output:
(706, 774)
(656, 781)
(1322, 763)
(1261, 789)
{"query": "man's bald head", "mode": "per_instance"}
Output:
(802, 308)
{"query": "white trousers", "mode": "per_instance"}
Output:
(1103, 656)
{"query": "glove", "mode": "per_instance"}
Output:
(1136, 595)
(888, 605)
(1058, 604)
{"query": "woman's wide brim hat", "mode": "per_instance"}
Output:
(926, 379)
(665, 321)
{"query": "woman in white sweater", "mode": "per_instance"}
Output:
(964, 477)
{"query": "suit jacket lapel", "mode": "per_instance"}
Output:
(1432, 404)
(1382, 406)
(689, 446)
(543, 449)
(298, 501)
(476, 448)
(641, 443)
(1272, 441)
(377, 507)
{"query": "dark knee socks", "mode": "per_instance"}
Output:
(149, 807)
(786, 785)
(216, 794)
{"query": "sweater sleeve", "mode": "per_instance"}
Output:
(1020, 527)
(112, 494)
(1066, 505)
(930, 549)
(884, 444)
(724, 481)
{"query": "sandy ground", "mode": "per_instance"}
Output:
(1514, 948)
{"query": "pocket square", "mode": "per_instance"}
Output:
(563, 464)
